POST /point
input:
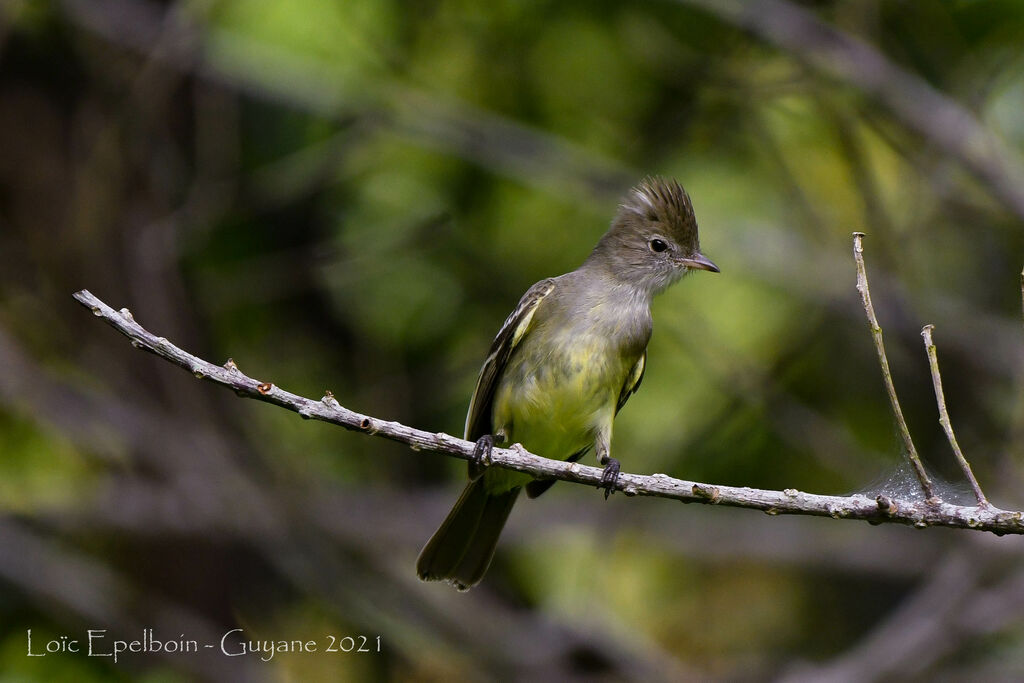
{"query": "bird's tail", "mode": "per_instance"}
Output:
(461, 549)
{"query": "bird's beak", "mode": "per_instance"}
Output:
(700, 262)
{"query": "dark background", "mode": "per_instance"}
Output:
(353, 195)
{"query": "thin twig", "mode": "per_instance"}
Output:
(790, 501)
(876, 333)
(940, 400)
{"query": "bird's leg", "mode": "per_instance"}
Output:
(481, 456)
(610, 476)
(482, 452)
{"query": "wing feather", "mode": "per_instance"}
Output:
(636, 375)
(478, 420)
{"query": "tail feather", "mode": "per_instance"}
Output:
(461, 549)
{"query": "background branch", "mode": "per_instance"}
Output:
(789, 501)
(943, 121)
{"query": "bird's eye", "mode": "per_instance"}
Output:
(658, 245)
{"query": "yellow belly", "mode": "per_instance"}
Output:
(555, 401)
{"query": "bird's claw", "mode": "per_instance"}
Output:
(482, 452)
(610, 477)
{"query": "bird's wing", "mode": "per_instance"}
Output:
(478, 420)
(636, 375)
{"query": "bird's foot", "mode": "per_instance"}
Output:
(482, 453)
(610, 477)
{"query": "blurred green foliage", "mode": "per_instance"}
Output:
(353, 195)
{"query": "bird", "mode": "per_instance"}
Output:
(562, 366)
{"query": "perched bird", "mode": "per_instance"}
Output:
(562, 366)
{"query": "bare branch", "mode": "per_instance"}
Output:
(940, 400)
(876, 333)
(790, 501)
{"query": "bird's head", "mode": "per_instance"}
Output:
(653, 240)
